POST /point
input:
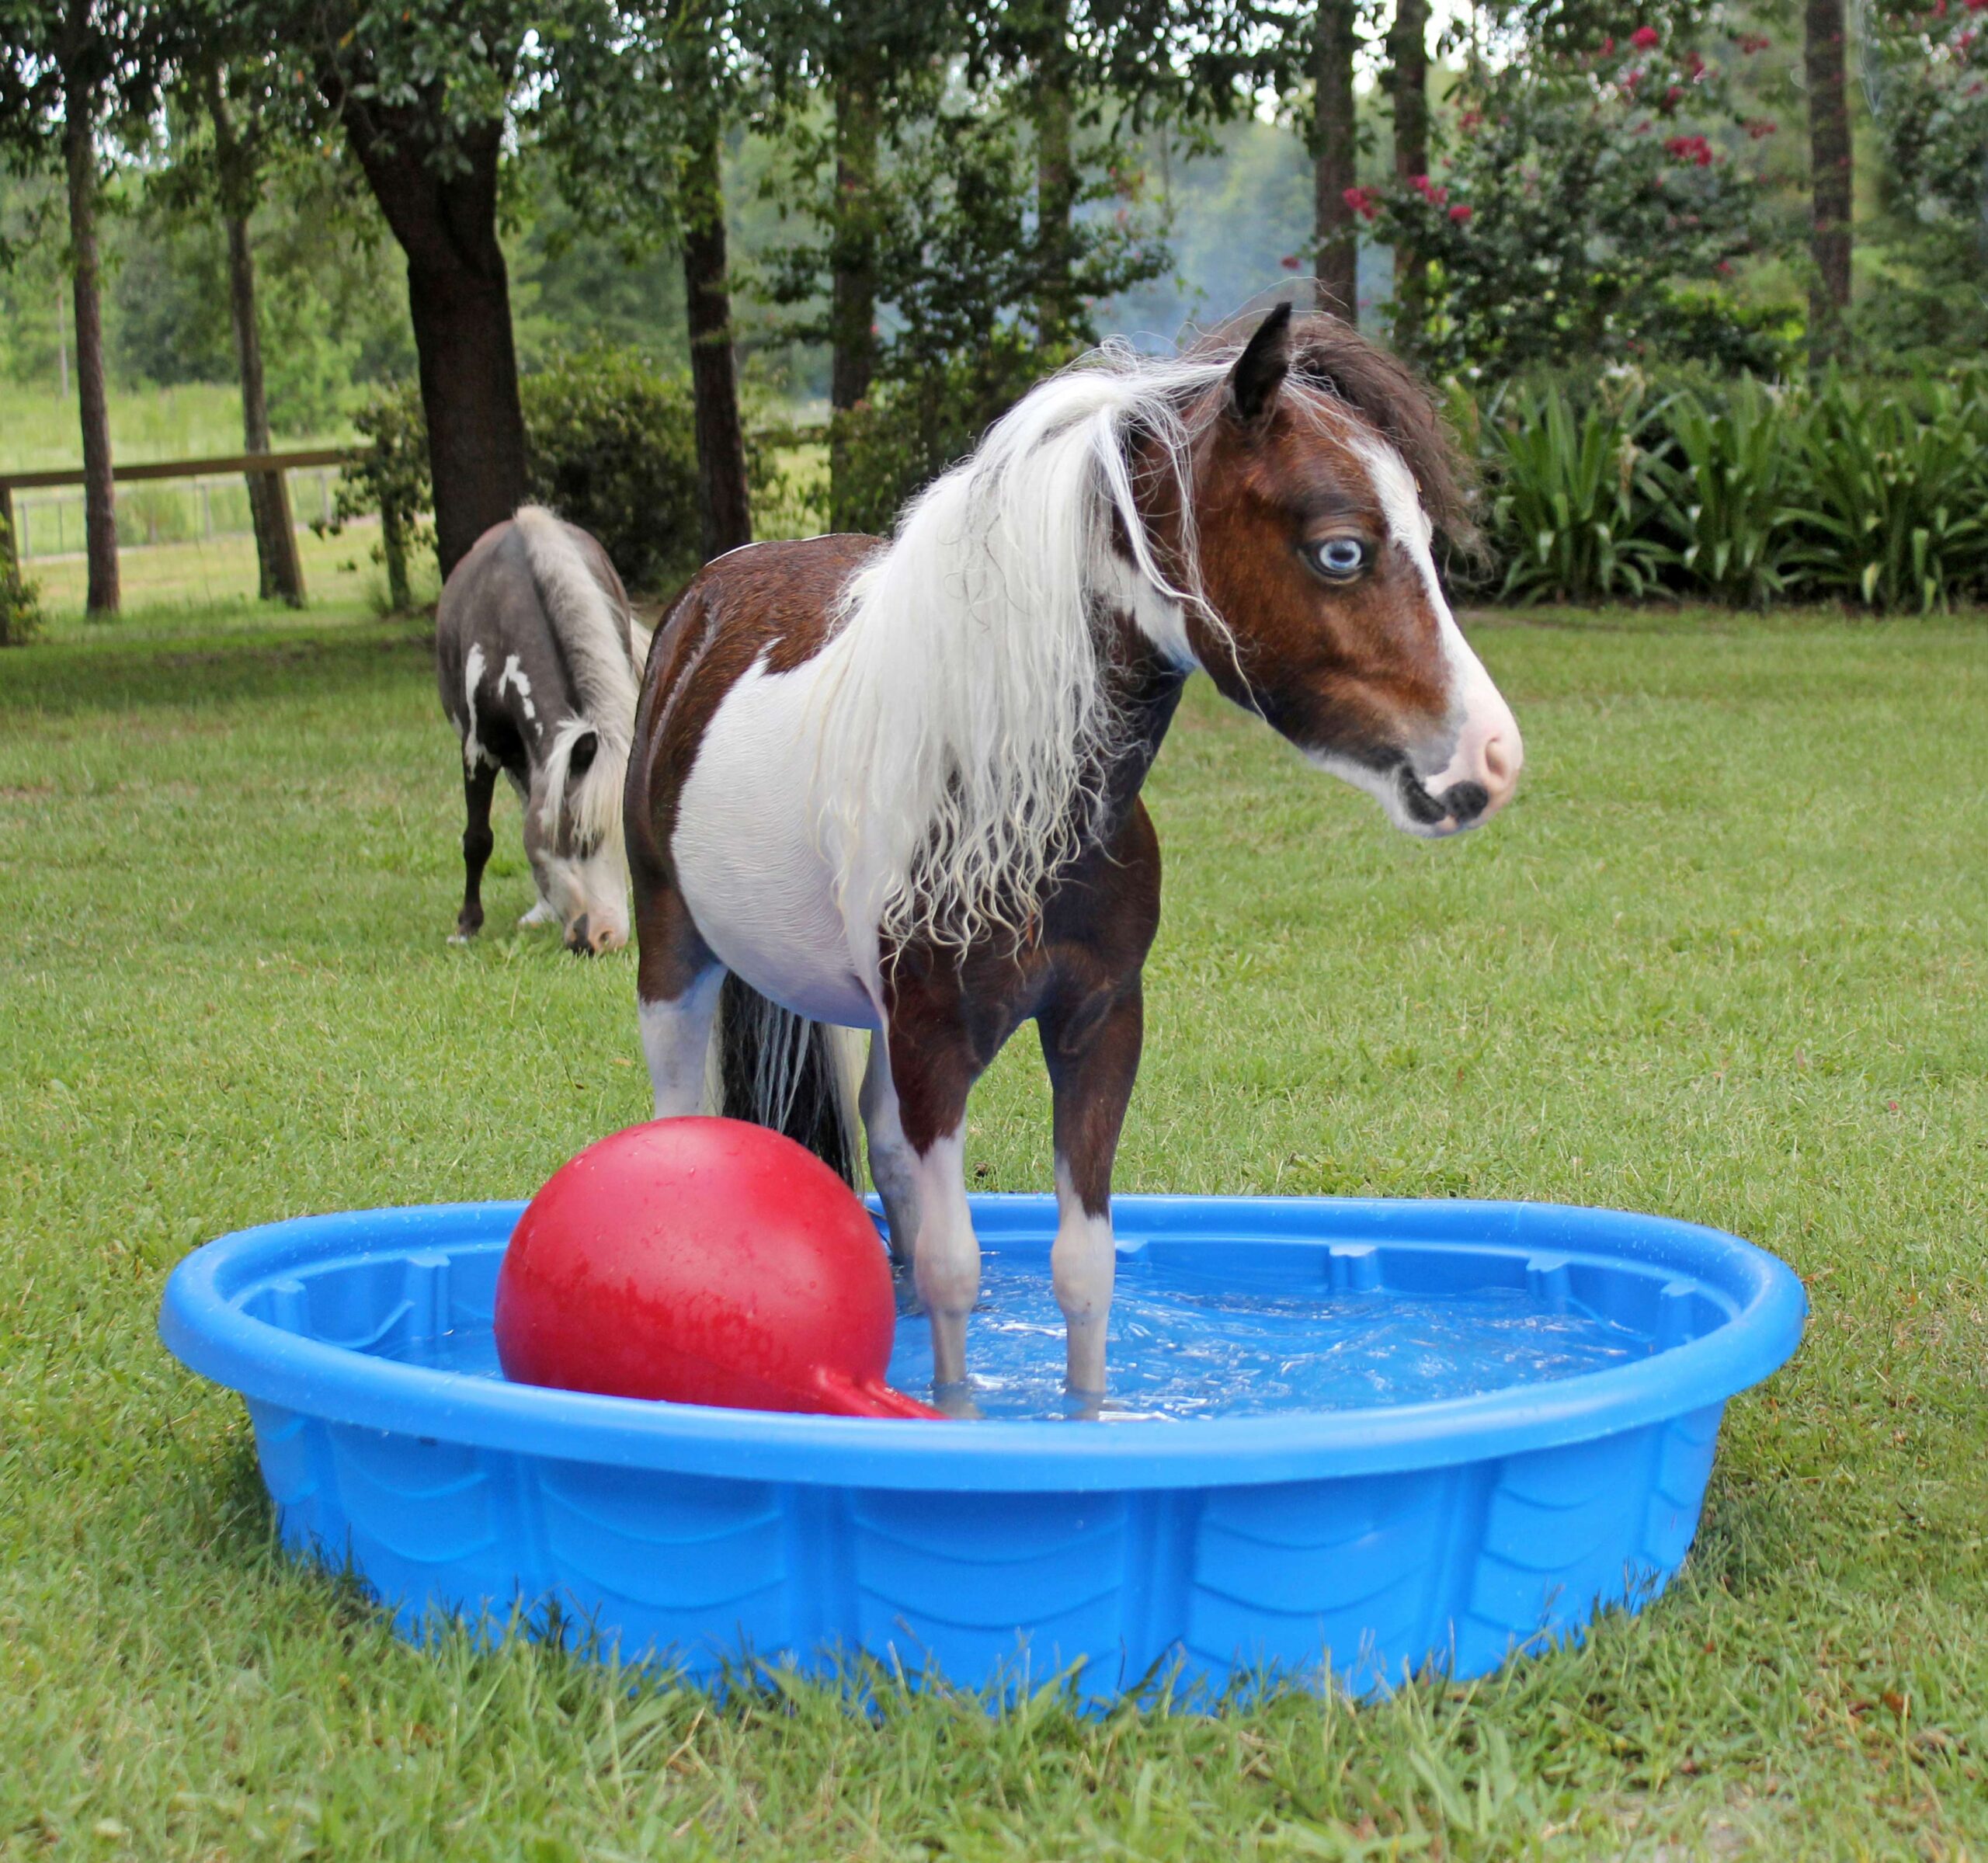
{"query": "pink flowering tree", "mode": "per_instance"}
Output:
(1590, 208)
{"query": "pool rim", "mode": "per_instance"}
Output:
(202, 1325)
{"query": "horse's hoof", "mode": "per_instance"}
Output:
(956, 1401)
(1082, 1406)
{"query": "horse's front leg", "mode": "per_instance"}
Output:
(932, 1071)
(1091, 1046)
(479, 782)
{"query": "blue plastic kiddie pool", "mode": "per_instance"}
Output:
(1359, 1437)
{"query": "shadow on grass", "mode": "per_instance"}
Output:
(111, 668)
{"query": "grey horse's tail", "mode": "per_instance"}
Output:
(779, 1069)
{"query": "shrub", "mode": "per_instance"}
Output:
(612, 446)
(389, 474)
(1572, 498)
(1724, 481)
(1893, 490)
(21, 616)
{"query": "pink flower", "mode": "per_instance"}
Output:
(1289, 262)
(1695, 65)
(1644, 36)
(1693, 150)
(1724, 267)
(1362, 201)
(1672, 96)
(1608, 45)
(1428, 189)
(1757, 127)
(1754, 42)
(1460, 213)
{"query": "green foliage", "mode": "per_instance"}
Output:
(388, 473)
(1570, 493)
(21, 616)
(1580, 191)
(1723, 486)
(1894, 494)
(611, 445)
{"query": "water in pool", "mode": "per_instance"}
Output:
(1180, 1351)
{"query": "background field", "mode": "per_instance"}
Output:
(1724, 959)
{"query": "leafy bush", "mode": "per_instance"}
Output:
(612, 446)
(1893, 492)
(21, 617)
(389, 474)
(1724, 480)
(1572, 499)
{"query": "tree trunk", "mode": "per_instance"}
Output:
(853, 291)
(99, 492)
(1829, 178)
(1408, 80)
(459, 297)
(1054, 110)
(282, 569)
(725, 503)
(1335, 150)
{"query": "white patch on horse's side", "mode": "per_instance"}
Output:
(1083, 1264)
(967, 708)
(513, 675)
(760, 880)
(676, 1038)
(474, 754)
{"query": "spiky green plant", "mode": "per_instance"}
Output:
(1727, 484)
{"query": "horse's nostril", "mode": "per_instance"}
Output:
(1466, 801)
(1498, 761)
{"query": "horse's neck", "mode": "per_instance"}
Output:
(1147, 688)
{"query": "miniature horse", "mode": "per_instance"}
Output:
(538, 657)
(895, 785)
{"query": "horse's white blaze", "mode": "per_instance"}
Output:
(751, 863)
(676, 1036)
(946, 1257)
(1083, 1264)
(1481, 743)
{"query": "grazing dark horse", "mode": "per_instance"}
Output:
(539, 657)
(895, 785)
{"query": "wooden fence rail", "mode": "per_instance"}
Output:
(251, 465)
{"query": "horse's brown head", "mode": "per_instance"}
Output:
(1321, 471)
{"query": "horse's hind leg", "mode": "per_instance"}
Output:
(677, 980)
(892, 1163)
(932, 1076)
(479, 780)
(1093, 1050)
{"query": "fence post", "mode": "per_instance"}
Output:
(10, 553)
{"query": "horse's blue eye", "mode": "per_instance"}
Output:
(1339, 557)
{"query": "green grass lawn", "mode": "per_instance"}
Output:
(1725, 959)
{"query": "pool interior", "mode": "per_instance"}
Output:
(1201, 1329)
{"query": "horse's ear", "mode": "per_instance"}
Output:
(1260, 370)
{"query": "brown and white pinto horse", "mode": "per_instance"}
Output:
(895, 785)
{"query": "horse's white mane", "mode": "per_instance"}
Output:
(603, 645)
(966, 718)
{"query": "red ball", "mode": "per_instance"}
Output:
(705, 1261)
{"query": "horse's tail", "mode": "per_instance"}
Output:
(599, 637)
(779, 1069)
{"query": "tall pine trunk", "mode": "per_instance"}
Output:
(99, 491)
(1408, 81)
(1829, 178)
(725, 504)
(1054, 108)
(852, 289)
(281, 568)
(1335, 150)
(459, 297)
